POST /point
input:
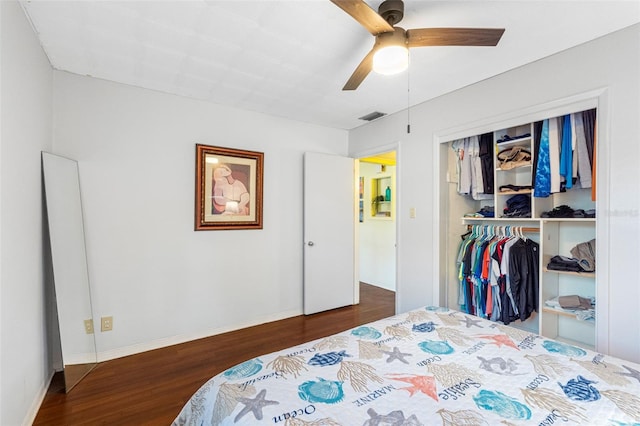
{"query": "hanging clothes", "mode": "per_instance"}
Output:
(523, 273)
(498, 275)
(554, 154)
(566, 152)
(593, 170)
(477, 179)
(486, 159)
(589, 120)
(510, 309)
(574, 149)
(469, 169)
(497, 279)
(537, 133)
(542, 183)
(463, 165)
(582, 152)
(463, 259)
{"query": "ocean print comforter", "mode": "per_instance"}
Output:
(429, 366)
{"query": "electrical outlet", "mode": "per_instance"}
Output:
(88, 326)
(106, 324)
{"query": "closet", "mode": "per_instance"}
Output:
(534, 182)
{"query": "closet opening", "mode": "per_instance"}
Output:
(518, 223)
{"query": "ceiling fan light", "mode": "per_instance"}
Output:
(391, 60)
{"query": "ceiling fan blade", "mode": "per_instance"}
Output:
(361, 72)
(454, 36)
(367, 17)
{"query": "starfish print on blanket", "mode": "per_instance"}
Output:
(396, 354)
(470, 322)
(632, 373)
(254, 405)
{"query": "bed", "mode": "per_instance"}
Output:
(429, 366)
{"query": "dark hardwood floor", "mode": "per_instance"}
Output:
(150, 388)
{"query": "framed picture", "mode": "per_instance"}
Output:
(228, 188)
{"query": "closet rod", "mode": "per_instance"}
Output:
(521, 228)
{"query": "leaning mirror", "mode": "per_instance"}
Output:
(70, 273)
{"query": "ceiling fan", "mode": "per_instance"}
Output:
(389, 37)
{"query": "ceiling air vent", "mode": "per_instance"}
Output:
(372, 116)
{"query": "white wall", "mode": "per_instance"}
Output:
(377, 237)
(25, 122)
(611, 63)
(162, 282)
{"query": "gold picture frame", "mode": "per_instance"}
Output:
(228, 188)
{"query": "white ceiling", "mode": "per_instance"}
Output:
(291, 58)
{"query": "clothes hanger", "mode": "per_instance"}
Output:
(521, 231)
(465, 235)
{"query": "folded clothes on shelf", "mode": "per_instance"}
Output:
(583, 260)
(485, 211)
(518, 206)
(513, 157)
(586, 315)
(565, 211)
(558, 212)
(591, 213)
(582, 307)
(515, 188)
(586, 255)
(507, 138)
(574, 302)
(564, 263)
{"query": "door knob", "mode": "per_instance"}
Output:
(310, 243)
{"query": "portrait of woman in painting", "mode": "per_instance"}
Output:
(230, 195)
(228, 188)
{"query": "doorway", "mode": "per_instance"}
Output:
(377, 195)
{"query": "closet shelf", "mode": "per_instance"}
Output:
(536, 220)
(522, 191)
(513, 142)
(575, 274)
(564, 313)
(568, 219)
(501, 219)
(498, 169)
(545, 261)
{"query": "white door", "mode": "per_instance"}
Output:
(329, 226)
